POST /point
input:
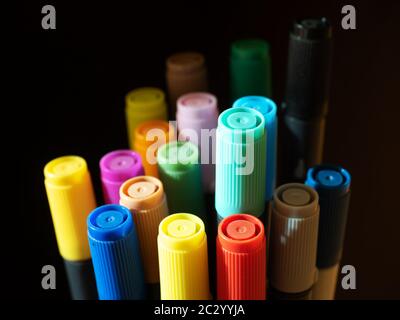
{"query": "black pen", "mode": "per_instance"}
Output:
(305, 103)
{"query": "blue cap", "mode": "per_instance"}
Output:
(333, 186)
(268, 109)
(329, 178)
(115, 253)
(110, 223)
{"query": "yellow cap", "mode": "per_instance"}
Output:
(144, 104)
(149, 136)
(182, 253)
(144, 196)
(71, 199)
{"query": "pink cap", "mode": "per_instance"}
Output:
(197, 107)
(196, 111)
(115, 168)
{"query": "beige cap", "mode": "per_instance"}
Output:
(293, 239)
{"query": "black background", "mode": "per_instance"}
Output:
(71, 101)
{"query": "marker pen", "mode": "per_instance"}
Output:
(143, 104)
(182, 252)
(333, 186)
(293, 241)
(186, 72)
(149, 136)
(250, 68)
(240, 162)
(116, 167)
(197, 119)
(144, 196)
(241, 258)
(71, 198)
(268, 109)
(178, 165)
(115, 253)
(305, 103)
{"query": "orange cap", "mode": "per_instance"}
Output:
(241, 258)
(144, 196)
(149, 136)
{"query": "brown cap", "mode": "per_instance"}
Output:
(186, 73)
(185, 62)
(294, 236)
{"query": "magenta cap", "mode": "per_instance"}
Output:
(196, 111)
(115, 168)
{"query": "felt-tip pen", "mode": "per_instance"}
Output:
(305, 103)
(333, 186)
(71, 198)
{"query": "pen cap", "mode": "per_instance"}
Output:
(197, 119)
(241, 258)
(149, 136)
(115, 253)
(178, 164)
(333, 186)
(116, 167)
(143, 104)
(293, 239)
(240, 162)
(71, 198)
(144, 196)
(186, 72)
(250, 68)
(308, 71)
(269, 110)
(182, 251)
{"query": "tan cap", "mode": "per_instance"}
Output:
(294, 236)
(144, 196)
(186, 72)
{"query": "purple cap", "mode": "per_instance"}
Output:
(115, 168)
(196, 111)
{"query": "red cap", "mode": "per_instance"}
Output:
(241, 258)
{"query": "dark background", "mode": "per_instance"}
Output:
(71, 101)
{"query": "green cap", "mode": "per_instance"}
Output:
(250, 68)
(180, 172)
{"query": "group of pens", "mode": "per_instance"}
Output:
(149, 239)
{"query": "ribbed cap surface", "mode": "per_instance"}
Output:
(149, 137)
(141, 105)
(309, 69)
(241, 258)
(144, 196)
(115, 254)
(179, 169)
(116, 167)
(269, 110)
(71, 198)
(182, 251)
(294, 234)
(186, 72)
(333, 186)
(197, 119)
(240, 162)
(250, 68)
